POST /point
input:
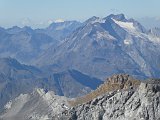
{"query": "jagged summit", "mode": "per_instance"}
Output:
(119, 17)
(124, 81)
(113, 83)
(92, 19)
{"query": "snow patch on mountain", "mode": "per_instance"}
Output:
(99, 20)
(127, 42)
(154, 39)
(105, 35)
(59, 21)
(126, 25)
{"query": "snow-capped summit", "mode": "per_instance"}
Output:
(118, 22)
(123, 22)
(105, 46)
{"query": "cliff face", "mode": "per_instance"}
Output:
(141, 103)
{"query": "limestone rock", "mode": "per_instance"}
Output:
(142, 103)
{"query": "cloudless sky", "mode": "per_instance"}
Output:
(16, 12)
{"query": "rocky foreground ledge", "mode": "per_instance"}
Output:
(126, 99)
(121, 97)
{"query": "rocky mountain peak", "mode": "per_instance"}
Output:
(141, 103)
(119, 17)
(92, 19)
(120, 78)
(118, 82)
(124, 81)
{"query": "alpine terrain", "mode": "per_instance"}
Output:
(100, 69)
(121, 97)
(105, 46)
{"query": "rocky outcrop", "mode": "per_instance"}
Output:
(142, 103)
(121, 97)
(114, 83)
(38, 105)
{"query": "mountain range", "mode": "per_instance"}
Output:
(19, 79)
(26, 44)
(70, 59)
(105, 46)
(98, 47)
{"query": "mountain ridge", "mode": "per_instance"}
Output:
(140, 103)
(17, 78)
(131, 99)
(121, 46)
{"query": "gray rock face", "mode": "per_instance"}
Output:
(141, 104)
(37, 105)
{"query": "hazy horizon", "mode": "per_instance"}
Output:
(40, 13)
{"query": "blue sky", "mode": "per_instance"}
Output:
(21, 12)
